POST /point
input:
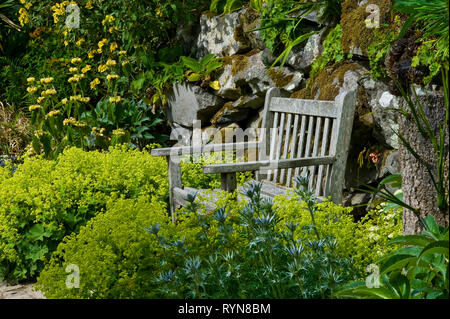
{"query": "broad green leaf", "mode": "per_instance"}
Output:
(438, 247)
(397, 262)
(395, 179)
(416, 240)
(194, 77)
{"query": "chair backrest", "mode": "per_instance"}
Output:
(297, 128)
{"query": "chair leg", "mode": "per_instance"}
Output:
(174, 181)
(229, 183)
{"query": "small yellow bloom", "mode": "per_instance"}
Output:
(119, 132)
(94, 83)
(113, 46)
(34, 107)
(47, 80)
(91, 54)
(75, 60)
(116, 99)
(112, 29)
(52, 113)
(125, 63)
(111, 62)
(89, 5)
(112, 77)
(86, 68)
(102, 68)
(123, 52)
(31, 80)
(66, 43)
(102, 43)
(64, 101)
(80, 42)
(40, 99)
(48, 92)
(31, 89)
(73, 70)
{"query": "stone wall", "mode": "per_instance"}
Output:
(245, 78)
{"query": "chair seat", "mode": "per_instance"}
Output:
(268, 191)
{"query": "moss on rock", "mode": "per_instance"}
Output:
(357, 36)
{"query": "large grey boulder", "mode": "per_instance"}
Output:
(301, 58)
(247, 73)
(188, 103)
(382, 104)
(218, 35)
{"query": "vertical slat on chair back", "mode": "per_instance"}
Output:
(306, 128)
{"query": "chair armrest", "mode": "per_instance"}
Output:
(188, 150)
(266, 165)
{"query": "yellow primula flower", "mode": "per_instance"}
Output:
(112, 77)
(40, 99)
(112, 29)
(80, 42)
(86, 68)
(31, 80)
(32, 89)
(102, 43)
(75, 60)
(111, 62)
(119, 132)
(113, 46)
(52, 113)
(94, 83)
(64, 101)
(34, 107)
(73, 70)
(47, 80)
(122, 52)
(116, 99)
(102, 68)
(125, 63)
(89, 5)
(91, 54)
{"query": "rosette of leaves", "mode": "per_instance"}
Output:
(200, 70)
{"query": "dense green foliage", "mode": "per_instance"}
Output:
(419, 270)
(227, 242)
(43, 201)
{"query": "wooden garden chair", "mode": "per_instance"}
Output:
(297, 136)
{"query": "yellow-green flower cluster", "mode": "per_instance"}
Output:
(72, 121)
(76, 78)
(116, 99)
(34, 107)
(32, 89)
(52, 113)
(59, 9)
(110, 77)
(94, 83)
(47, 80)
(79, 98)
(119, 132)
(48, 92)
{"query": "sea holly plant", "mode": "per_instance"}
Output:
(419, 270)
(248, 253)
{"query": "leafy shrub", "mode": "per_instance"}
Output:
(43, 201)
(332, 51)
(418, 271)
(267, 263)
(93, 63)
(115, 257)
(365, 240)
